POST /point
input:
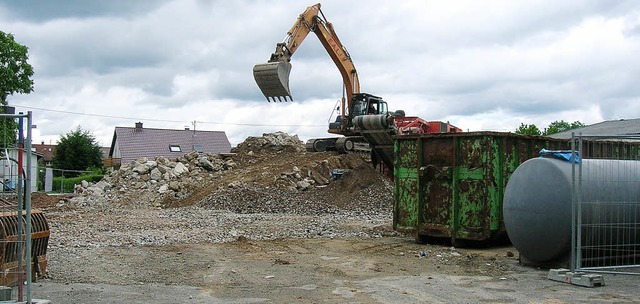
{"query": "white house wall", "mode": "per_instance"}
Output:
(9, 171)
(116, 150)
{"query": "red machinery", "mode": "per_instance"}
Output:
(413, 125)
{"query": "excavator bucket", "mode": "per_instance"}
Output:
(273, 80)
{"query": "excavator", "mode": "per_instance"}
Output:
(364, 119)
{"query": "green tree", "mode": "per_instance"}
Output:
(15, 77)
(561, 126)
(15, 71)
(8, 130)
(77, 150)
(528, 129)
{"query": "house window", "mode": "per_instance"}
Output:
(198, 148)
(175, 148)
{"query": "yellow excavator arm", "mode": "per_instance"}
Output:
(273, 77)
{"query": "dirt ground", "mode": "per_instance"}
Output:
(382, 270)
(258, 242)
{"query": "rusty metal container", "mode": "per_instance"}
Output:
(452, 185)
(9, 253)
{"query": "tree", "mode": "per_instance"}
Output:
(77, 150)
(15, 77)
(561, 126)
(528, 129)
(8, 130)
(553, 128)
(15, 71)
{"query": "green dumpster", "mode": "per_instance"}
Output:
(451, 185)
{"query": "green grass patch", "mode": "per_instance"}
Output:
(65, 185)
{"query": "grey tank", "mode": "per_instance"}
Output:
(537, 204)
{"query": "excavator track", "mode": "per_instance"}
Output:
(347, 144)
(376, 138)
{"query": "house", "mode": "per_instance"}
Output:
(9, 175)
(130, 144)
(609, 127)
(47, 152)
(105, 152)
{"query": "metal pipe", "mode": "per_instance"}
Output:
(27, 205)
(20, 208)
(574, 203)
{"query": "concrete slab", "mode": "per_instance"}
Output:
(576, 278)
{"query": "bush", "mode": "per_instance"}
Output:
(65, 185)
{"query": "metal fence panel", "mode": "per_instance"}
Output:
(606, 204)
(17, 219)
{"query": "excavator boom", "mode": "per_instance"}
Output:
(273, 77)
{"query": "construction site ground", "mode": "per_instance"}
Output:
(246, 235)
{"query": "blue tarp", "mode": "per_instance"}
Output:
(9, 186)
(565, 155)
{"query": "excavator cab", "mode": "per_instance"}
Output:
(367, 104)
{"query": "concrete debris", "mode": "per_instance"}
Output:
(271, 141)
(268, 188)
(273, 169)
(159, 176)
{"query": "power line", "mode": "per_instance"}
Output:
(165, 120)
(96, 115)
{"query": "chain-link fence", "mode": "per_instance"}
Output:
(606, 200)
(63, 181)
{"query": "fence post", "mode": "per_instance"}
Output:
(573, 204)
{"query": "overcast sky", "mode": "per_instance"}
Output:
(482, 65)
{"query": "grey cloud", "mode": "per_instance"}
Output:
(42, 11)
(432, 57)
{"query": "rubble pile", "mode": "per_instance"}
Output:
(277, 141)
(268, 188)
(272, 174)
(149, 180)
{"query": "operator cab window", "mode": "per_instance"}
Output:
(359, 108)
(377, 106)
(382, 108)
(373, 107)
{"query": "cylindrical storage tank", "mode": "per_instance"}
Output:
(538, 199)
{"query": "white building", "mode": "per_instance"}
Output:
(9, 171)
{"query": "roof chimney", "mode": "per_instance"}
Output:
(138, 125)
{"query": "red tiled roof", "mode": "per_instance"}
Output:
(135, 143)
(46, 151)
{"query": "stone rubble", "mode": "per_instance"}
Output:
(152, 179)
(272, 141)
(270, 175)
(268, 188)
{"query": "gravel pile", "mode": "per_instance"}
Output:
(242, 197)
